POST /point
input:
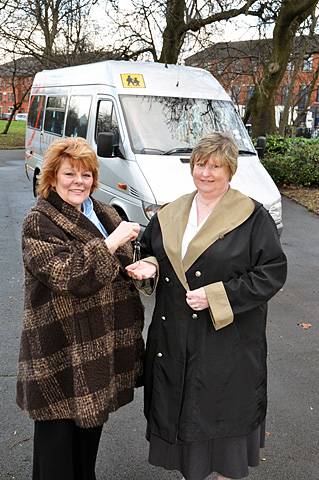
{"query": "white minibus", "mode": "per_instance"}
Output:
(143, 120)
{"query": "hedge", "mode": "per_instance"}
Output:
(292, 161)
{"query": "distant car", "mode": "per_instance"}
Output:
(21, 116)
(5, 116)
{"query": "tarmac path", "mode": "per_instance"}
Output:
(292, 449)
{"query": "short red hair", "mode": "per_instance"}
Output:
(74, 149)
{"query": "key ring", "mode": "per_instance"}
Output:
(136, 251)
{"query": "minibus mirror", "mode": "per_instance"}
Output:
(249, 128)
(105, 144)
(118, 151)
(116, 137)
(261, 146)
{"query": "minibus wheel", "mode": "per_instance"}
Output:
(121, 213)
(35, 182)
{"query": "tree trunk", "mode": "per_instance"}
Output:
(7, 126)
(173, 35)
(261, 110)
(288, 103)
(296, 69)
(261, 104)
(177, 26)
(16, 107)
(311, 87)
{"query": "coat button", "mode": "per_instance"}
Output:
(166, 279)
(198, 273)
(163, 317)
(159, 354)
(194, 316)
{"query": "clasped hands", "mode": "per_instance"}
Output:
(141, 270)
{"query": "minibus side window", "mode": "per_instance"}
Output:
(36, 110)
(106, 120)
(78, 116)
(54, 115)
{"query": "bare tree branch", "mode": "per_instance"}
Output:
(47, 28)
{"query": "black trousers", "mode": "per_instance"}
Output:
(63, 451)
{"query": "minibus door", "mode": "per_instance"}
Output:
(112, 169)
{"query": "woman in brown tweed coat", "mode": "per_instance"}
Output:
(81, 346)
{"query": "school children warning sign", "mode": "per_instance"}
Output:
(132, 80)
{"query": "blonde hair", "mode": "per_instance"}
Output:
(74, 149)
(220, 144)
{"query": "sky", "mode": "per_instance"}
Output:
(240, 28)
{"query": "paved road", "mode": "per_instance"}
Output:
(293, 420)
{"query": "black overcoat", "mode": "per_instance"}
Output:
(205, 371)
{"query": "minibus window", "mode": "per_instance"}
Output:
(36, 109)
(158, 124)
(54, 115)
(106, 120)
(78, 116)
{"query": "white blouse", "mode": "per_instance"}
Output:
(191, 227)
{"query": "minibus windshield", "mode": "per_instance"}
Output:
(173, 126)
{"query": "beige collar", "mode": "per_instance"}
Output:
(230, 212)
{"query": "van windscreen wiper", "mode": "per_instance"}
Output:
(151, 151)
(246, 152)
(178, 150)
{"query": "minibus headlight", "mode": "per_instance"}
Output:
(276, 212)
(150, 209)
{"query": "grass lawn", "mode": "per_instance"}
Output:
(15, 136)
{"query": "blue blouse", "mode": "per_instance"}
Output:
(88, 211)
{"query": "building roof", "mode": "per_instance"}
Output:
(23, 67)
(249, 49)
(29, 66)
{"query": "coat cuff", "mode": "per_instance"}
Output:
(148, 286)
(219, 307)
(151, 260)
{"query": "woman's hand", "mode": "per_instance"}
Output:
(125, 232)
(197, 299)
(141, 270)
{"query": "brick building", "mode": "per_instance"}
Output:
(17, 76)
(15, 82)
(238, 67)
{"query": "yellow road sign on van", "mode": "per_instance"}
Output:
(132, 80)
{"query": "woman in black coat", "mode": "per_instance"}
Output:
(218, 260)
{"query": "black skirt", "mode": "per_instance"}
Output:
(229, 457)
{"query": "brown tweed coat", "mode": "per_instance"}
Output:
(81, 346)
